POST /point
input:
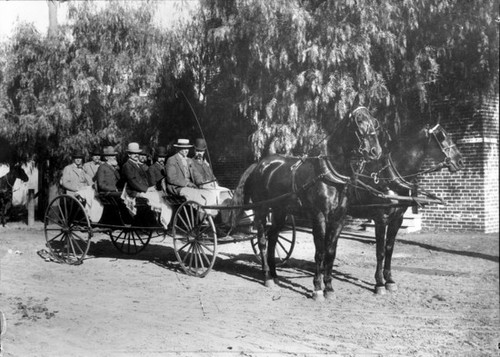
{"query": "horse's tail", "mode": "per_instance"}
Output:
(239, 197)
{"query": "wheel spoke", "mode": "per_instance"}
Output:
(61, 234)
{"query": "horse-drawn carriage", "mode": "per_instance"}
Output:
(327, 187)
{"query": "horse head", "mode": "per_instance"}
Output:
(19, 173)
(365, 128)
(443, 149)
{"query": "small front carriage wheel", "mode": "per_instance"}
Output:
(195, 239)
(67, 229)
(131, 240)
(285, 243)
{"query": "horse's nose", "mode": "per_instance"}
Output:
(461, 163)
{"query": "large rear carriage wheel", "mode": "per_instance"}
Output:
(131, 240)
(285, 243)
(195, 239)
(67, 229)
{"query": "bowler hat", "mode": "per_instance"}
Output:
(78, 154)
(109, 151)
(162, 152)
(183, 144)
(200, 144)
(133, 148)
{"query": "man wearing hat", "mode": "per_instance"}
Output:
(181, 177)
(179, 169)
(135, 177)
(73, 177)
(156, 172)
(107, 176)
(206, 176)
(91, 166)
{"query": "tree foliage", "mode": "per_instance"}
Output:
(84, 87)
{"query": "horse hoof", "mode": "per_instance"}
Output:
(380, 290)
(391, 287)
(270, 283)
(329, 294)
(318, 295)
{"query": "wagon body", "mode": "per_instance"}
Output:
(195, 233)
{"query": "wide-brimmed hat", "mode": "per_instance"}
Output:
(77, 154)
(200, 144)
(161, 152)
(133, 148)
(109, 151)
(183, 144)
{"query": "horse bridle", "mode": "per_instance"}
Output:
(446, 150)
(371, 129)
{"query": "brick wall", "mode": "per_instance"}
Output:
(471, 194)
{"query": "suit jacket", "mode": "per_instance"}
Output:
(74, 178)
(107, 178)
(204, 170)
(135, 177)
(155, 174)
(176, 178)
(90, 169)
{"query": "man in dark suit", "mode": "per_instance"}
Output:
(107, 176)
(135, 177)
(156, 172)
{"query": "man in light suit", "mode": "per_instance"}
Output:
(91, 166)
(73, 177)
(181, 177)
(107, 176)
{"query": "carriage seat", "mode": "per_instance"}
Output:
(114, 199)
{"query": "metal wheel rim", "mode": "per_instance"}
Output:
(195, 239)
(67, 230)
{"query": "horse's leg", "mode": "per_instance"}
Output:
(319, 256)
(278, 222)
(380, 229)
(334, 228)
(392, 231)
(260, 225)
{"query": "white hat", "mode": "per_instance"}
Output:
(133, 148)
(183, 144)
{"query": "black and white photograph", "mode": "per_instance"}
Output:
(250, 178)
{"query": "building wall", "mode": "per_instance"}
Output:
(472, 193)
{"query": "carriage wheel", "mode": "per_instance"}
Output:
(67, 229)
(131, 240)
(195, 239)
(286, 240)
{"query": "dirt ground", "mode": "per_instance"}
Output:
(447, 301)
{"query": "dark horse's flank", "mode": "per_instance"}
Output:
(317, 184)
(392, 174)
(6, 185)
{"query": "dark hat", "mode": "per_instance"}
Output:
(109, 151)
(162, 152)
(200, 144)
(145, 151)
(183, 144)
(95, 152)
(78, 154)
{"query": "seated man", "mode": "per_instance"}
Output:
(137, 185)
(108, 176)
(181, 177)
(73, 177)
(206, 178)
(91, 166)
(156, 172)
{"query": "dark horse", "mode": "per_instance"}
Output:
(6, 185)
(316, 184)
(392, 175)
